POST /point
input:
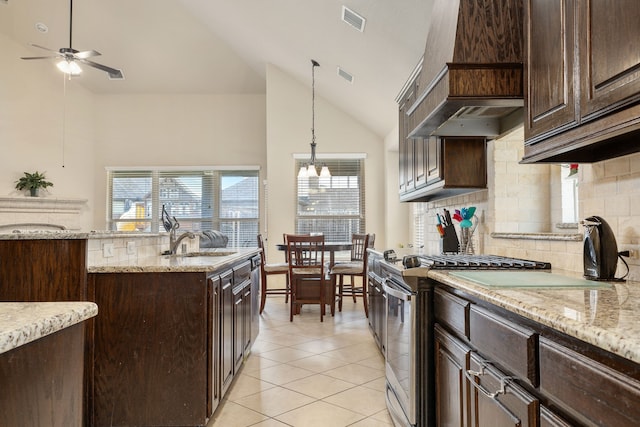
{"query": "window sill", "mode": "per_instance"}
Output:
(539, 236)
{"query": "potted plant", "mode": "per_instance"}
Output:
(33, 182)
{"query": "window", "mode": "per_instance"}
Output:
(211, 199)
(333, 206)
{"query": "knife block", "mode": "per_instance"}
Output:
(450, 243)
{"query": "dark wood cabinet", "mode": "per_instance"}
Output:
(42, 381)
(167, 345)
(590, 391)
(150, 349)
(582, 80)
(549, 67)
(226, 330)
(446, 166)
(214, 390)
(433, 167)
(497, 400)
(377, 307)
(495, 368)
(451, 358)
(43, 270)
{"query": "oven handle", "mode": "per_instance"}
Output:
(394, 291)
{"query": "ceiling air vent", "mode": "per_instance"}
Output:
(353, 19)
(347, 76)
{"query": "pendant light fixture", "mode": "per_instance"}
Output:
(308, 171)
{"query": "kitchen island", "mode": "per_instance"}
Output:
(42, 362)
(174, 330)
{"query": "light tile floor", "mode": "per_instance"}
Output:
(306, 373)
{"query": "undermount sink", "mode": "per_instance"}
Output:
(496, 279)
(213, 253)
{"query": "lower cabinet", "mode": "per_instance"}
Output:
(377, 306)
(166, 345)
(494, 368)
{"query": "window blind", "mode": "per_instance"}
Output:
(208, 199)
(334, 206)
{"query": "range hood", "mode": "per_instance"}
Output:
(471, 81)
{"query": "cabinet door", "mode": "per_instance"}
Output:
(213, 328)
(246, 318)
(238, 326)
(403, 123)
(420, 160)
(226, 330)
(550, 419)
(452, 388)
(609, 55)
(434, 159)
(549, 40)
(498, 401)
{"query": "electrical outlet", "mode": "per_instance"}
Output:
(107, 250)
(131, 248)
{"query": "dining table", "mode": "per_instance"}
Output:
(330, 247)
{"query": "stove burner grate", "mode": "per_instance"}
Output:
(481, 262)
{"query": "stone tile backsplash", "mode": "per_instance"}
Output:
(518, 201)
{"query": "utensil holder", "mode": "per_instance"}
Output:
(466, 242)
(450, 243)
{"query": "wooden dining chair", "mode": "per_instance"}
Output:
(267, 270)
(308, 274)
(356, 267)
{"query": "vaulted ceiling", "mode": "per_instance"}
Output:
(223, 46)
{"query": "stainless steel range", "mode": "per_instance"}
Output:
(409, 331)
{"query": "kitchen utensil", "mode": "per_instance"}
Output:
(411, 261)
(390, 255)
(166, 219)
(470, 212)
(458, 217)
(465, 223)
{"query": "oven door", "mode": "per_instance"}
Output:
(400, 363)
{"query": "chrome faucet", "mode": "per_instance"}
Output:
(174, 242)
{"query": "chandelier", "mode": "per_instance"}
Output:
(310, 170)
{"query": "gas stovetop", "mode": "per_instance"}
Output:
(480, 262)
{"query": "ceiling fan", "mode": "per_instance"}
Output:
(69, 57)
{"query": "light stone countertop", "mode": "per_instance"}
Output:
(179, 263)
(605, 318)
(24, 322)
(71, 234)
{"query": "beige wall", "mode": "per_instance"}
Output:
(176, 130)
(46, 124)
(289, 133)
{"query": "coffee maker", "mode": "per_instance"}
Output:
(600, 253)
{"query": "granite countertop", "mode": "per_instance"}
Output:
(23, 322)
(70, 234)
(606, 318)
(179, 263)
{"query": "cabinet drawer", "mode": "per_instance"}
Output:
(452, 312)
(590, 391)
(512, 346)
(496, 399)
(241, 273)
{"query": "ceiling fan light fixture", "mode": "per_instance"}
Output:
(69, 67)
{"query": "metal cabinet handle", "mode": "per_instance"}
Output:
(472, 375)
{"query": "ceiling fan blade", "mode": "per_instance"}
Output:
(38, 57)
(113, 73)
(45, 48)
(87, 54)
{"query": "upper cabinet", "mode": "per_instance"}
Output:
(582, 74)
(467, 89)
